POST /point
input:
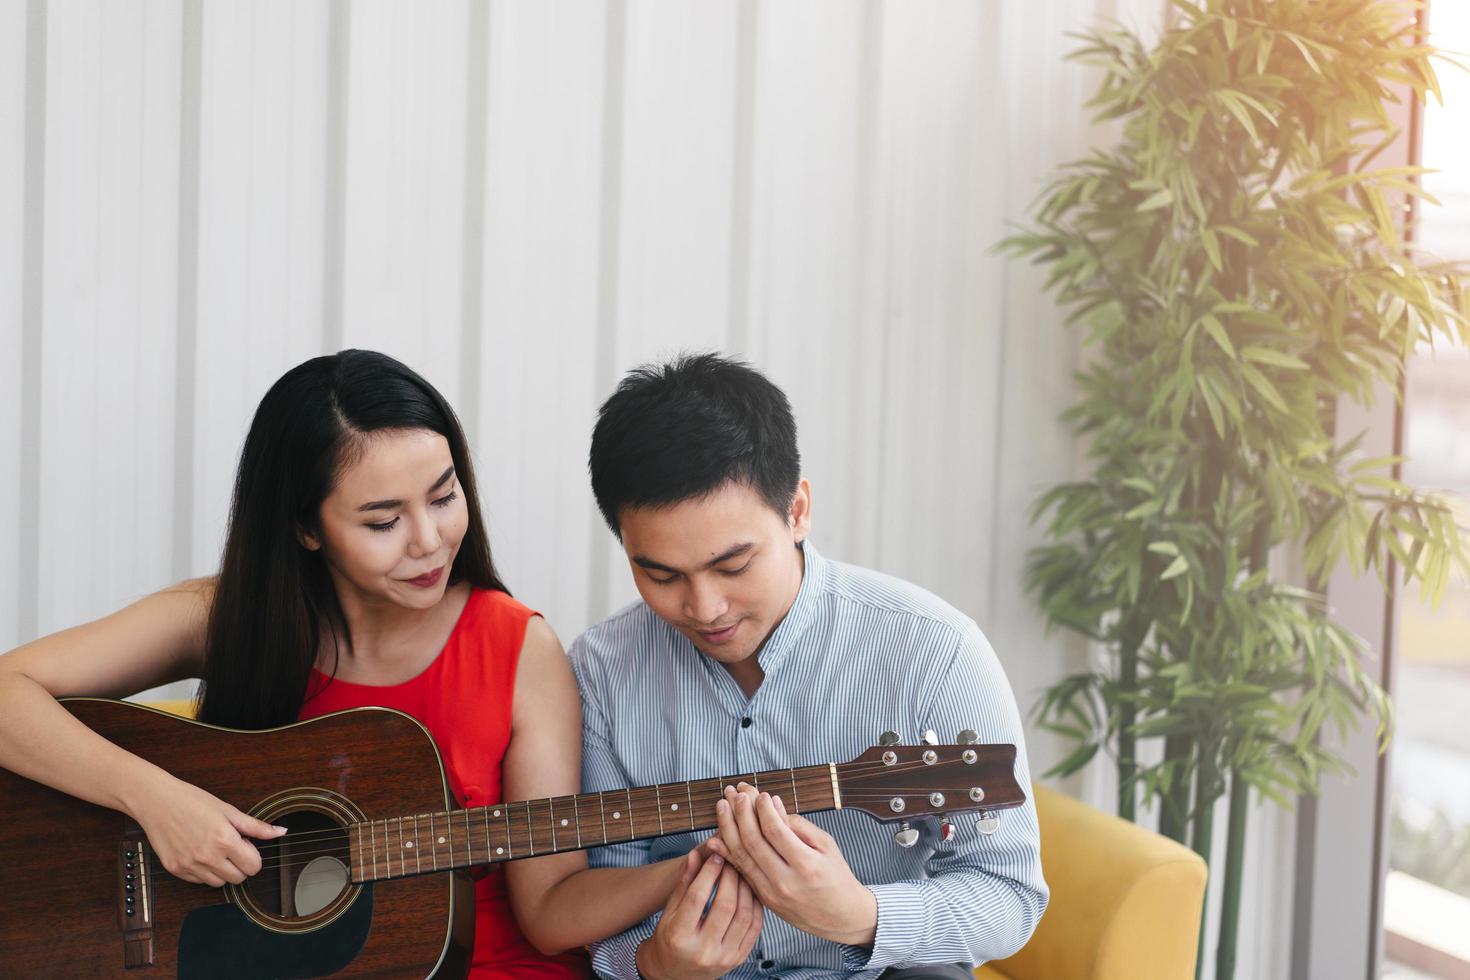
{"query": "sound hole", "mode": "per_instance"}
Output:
(302, 872)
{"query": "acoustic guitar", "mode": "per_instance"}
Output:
(371, 879)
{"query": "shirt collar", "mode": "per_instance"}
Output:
(803, 611)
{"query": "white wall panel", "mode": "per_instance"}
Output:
(940, 176)
(106, 361)
(538, 390)
(262, 184)
(811, 203)
(13, 63)
(405, 184)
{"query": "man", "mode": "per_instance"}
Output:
(748, 652)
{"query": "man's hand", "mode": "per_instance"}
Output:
(795, 867)
(689, 945)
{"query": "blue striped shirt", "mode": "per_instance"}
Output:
(858, 653)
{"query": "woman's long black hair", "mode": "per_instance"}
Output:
(274, 598)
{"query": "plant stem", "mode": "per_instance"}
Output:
(1127, 715)
(1174, 804)
(1234, 869)
(1204, 828)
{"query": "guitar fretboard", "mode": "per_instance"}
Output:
(396, 847)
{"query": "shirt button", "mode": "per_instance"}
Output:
(745, 722)
(767, 964)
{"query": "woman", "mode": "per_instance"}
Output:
(356, 571)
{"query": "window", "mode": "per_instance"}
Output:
(1426, 898)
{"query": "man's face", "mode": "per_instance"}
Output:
(722, 569)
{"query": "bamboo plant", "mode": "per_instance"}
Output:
(1238, 264)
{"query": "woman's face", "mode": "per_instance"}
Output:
(392, 525)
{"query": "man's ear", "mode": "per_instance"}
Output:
(307, 540)
(799, 518)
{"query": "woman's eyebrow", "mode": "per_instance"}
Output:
(391, 504)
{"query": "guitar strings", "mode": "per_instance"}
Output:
(856, 771)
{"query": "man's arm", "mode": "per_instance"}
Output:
(985, 898)
(694, 936)
(601, 770)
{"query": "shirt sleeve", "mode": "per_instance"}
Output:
(602, 770)
(985, 894)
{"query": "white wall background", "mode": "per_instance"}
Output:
(522, 200)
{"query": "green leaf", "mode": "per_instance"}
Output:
(1267, 355)
(1216, 330)
(1212, 248)
(1163, 547)
(1176, 568)
(1302, 47)
(1156, 200)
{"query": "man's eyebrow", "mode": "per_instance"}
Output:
(391, 504)
(736, 551)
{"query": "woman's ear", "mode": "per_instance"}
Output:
(307, 540)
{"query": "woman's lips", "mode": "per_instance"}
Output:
(428, 580)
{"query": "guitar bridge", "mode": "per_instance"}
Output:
(135, 901)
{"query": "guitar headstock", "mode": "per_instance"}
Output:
(892, 782)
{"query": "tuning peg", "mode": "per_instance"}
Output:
(988, 823)
(967, 737)
(946, 830)
(888, 738)
(929, 738)
(906, 836)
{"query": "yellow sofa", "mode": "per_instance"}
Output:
(1125, 902)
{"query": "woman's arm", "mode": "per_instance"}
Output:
(559, 902)
(154, 641)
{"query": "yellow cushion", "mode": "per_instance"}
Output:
(183, 708)
(1125, 902)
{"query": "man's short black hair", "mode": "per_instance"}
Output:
(680, 430)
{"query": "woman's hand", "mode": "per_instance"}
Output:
(199, 837)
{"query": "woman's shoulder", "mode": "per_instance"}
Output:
(498, 607)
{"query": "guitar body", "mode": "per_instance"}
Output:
(65, 907)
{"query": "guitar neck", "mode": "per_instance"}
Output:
(397, 847)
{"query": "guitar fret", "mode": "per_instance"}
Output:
(807, 790)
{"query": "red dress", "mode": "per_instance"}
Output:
(464, 699)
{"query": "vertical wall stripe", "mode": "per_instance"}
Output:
(472, 251)
(872, 316)
(187, 344)
(738, 334)
(28, 554)
(599, 588)
(333, 241)
(1000, 392)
